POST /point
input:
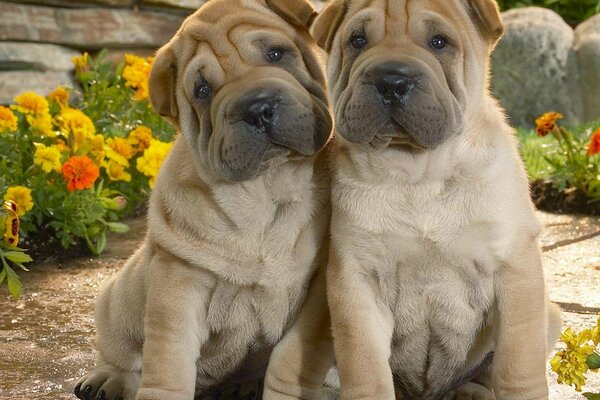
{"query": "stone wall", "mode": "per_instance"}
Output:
(38, 38)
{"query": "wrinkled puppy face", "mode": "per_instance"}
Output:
(243, 82)
(403, 72)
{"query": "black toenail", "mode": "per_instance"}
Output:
(77, 390)
(87, 391)
(101, 395)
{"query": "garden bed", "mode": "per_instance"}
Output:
(570, 201)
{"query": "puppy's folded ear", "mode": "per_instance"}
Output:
(328, 22)
(486, 15)
(299, 13)
(162, 82)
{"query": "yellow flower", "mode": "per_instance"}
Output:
(60, 96)
(41, 124)
(48, 158)
(31, 103)
(81, 61)
(37, 112)
(121, 152)
(8, 120)
(570, 363)
(96, 148)
(116, 171)
(75, 126)
(140, 137)
(136, 73)
(61, 146)
(21, 196)
(149, 163)
(596, 332)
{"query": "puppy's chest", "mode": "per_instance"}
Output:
(438, 281)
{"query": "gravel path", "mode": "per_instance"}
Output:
(47, 337)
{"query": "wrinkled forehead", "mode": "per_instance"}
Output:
(223, 38)
(400, 17)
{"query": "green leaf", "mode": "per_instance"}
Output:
(14, 283)
(101, 243)
(2, 275)
(17, 257)
(117, 227)
(592, 396)
(593, 361)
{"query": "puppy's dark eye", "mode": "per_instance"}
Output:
(275, 55)
(358, 42)
(202, 90)
(438, 42)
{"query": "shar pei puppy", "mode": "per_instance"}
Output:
(435, 282)
(238, 217)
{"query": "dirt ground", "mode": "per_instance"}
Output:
(47, 337)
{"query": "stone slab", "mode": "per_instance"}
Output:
(13, 83)
(36, 56)
(561, 229)
(92, 28)
(573, 273)
(79, 3)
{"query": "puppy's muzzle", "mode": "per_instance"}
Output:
(267, 112)
(394, 82)
(258, 108)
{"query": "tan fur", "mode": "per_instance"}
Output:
(434, 258)
(225, 266)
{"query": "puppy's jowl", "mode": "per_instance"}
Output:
(435, 281)
(238, 215)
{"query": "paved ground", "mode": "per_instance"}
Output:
(46, 338)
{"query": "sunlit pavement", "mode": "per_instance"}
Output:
(47, 337)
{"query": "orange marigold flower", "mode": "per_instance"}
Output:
(594, 147)
(8, 120)
(547, 123)
(60, 96)
(80, 173)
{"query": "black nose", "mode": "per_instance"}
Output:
(259, 109)
(394, 81)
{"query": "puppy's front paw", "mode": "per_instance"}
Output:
(470, 391)
(108, 383)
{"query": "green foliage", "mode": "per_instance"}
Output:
(573, 11)
(109, 131)
(562, 158)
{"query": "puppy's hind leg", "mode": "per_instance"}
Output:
(479, 388)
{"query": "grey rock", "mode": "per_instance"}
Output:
(36, 56)
(535, 68)
(185, 4)
(587, 47)
(87, 28)
(13, 83)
